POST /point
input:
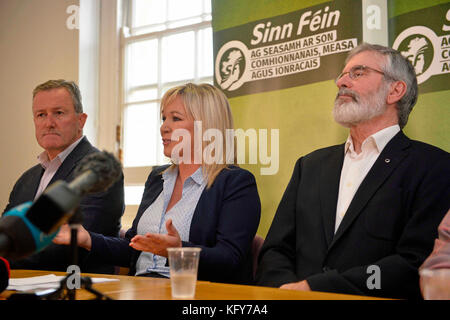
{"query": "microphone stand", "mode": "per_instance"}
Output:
(66, 292)
(85, 282)
(74, 223)
(95, 173)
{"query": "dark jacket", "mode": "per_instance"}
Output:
(101, 213)
(391, 222)
(224, 224)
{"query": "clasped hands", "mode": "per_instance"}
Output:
(150, 242)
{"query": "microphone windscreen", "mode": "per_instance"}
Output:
(106, 167)
(4, 274)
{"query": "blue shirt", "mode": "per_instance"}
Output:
(154, 218)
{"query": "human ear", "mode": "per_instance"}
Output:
(82, 120)
(396, 92)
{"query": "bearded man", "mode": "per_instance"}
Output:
(361, 217)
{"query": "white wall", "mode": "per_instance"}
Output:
(35, 46)
(88, 57)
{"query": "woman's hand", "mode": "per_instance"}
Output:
(157, 243)
(83, 237)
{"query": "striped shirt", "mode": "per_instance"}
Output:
(154, 218)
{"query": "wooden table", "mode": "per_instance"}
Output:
(144, 288)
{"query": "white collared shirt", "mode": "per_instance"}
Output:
(154, 218)
(356, 166)
(51, 166)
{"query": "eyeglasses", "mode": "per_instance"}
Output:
(357, 72)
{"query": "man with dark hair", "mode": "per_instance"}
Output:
(361, 217)
(59, 120)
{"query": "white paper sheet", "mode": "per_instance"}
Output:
(43, 282)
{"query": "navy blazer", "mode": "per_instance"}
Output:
(391, 222)
(101, 212)
(224, 224)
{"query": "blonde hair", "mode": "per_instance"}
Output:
(206, 103)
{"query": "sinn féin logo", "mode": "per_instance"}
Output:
(417, 45)
(418, 50)
(231, 65)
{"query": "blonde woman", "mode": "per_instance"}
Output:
(201, 200)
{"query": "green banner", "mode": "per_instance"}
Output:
(423, 36)
(277, 61)
(421, 31)
(297, 48)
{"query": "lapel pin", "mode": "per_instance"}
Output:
(387, 160)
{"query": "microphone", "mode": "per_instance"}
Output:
(31, 226)
(4, 274)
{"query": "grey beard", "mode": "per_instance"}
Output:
(360, 109)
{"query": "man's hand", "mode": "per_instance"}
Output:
(300, 286)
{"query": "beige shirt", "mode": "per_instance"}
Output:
(52, 166)
(356, 166)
